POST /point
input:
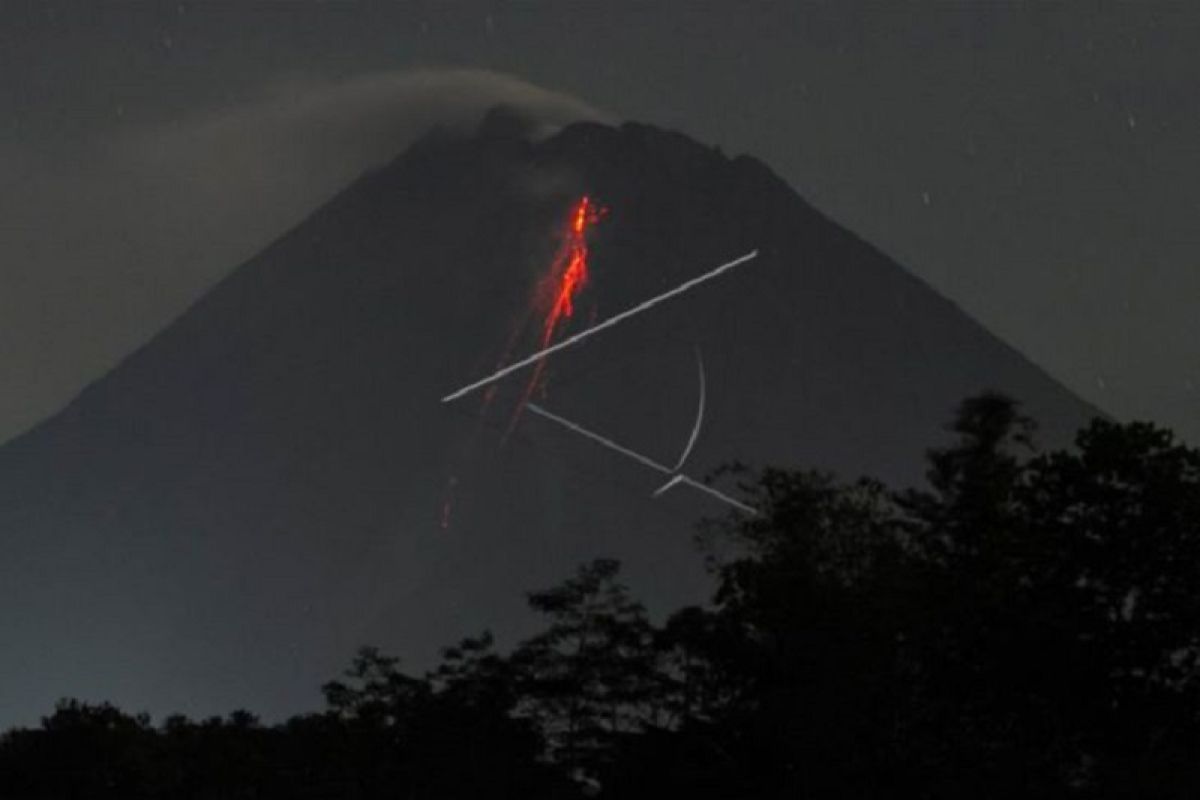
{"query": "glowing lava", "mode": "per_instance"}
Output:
(552, 304)
(567, 277)
(569, 273)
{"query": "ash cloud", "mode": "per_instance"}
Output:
(313, 137)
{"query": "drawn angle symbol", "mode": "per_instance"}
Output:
(675, 476)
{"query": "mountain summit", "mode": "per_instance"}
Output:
(273, 480)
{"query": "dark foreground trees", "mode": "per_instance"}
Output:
(1029, 625)
(1026, 625)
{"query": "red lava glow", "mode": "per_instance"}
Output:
(569, 272)
(554, 298)
(553, 302)
(567, 277)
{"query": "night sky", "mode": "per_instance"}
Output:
(1036, 165)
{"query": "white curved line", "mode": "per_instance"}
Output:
(666, 487)
(676, 480)
(695, 434)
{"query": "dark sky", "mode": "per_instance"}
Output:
(1038, 165)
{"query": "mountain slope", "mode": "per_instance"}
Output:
(260, 488)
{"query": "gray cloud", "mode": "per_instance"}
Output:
(103, 249)
(305, 140)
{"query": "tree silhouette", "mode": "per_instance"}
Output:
(809, 672)
(1056, 627)
(590, 675)
(1025, 625)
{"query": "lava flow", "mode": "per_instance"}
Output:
(553, 302)
(569, 273)
(567, 277)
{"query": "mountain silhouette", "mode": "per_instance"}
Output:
(272, 480)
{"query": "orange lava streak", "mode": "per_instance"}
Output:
(557, 291)
(572, 278)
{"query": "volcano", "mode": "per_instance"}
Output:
(273, 479)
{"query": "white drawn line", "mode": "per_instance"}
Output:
(660, 491)
(608, 323)
(598, 439)
(695, 434)
(641, 459)
(704, 487)
(684, 480)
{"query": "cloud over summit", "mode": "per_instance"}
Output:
(127, 236)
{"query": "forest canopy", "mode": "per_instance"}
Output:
(1025, 624)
